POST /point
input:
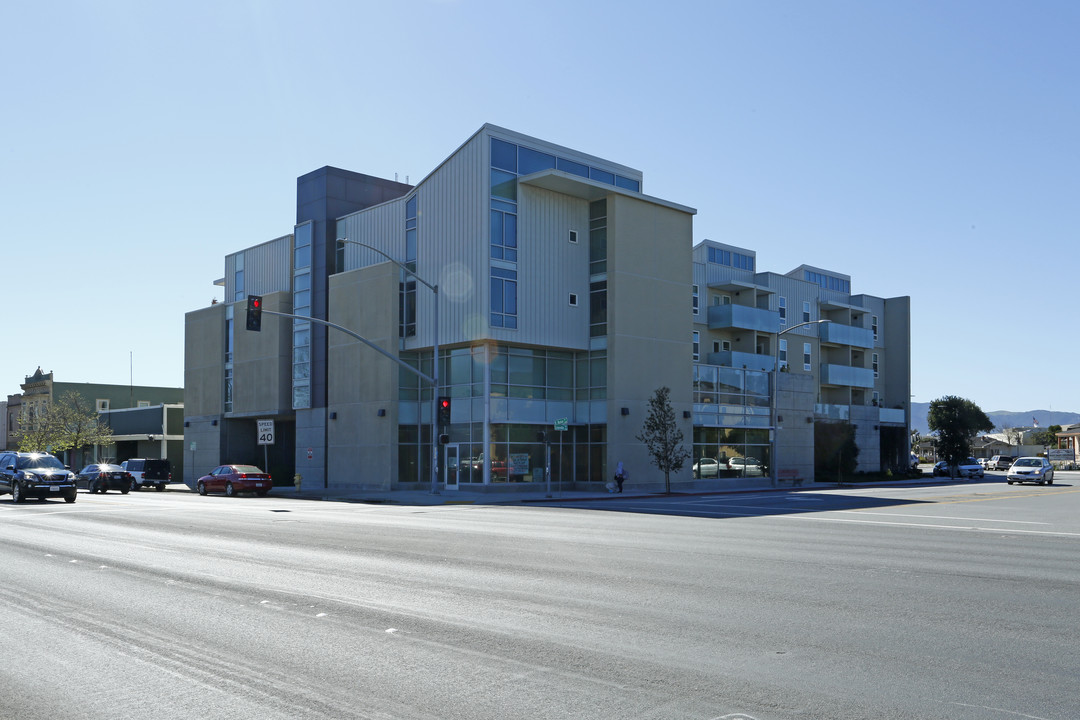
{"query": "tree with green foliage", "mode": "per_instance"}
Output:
(78, 425)
(957, 421)
(1046, 437)
(35, 429)
(69, 424)
(662, 436)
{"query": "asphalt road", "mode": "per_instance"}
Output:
(956, 601)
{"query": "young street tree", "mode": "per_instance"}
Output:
(956, 421)
(662, 436)
(69, 424)
(35, 430)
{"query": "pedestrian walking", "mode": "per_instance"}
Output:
(620, 476)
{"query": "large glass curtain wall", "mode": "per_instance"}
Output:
(731, 423)
(527, 380)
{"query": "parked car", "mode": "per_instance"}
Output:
(101, 477)
(1000, 462)
(746, 466)
(707, 468)
(146, 472)
(35, 474)
(913, 461)
(499, 468)
(968, 468)
(233, 479)
(983, 461)
(1031, 469)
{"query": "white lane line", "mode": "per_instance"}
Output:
(942, 517)
(786, 514)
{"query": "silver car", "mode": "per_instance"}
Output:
(706, 468)
(1031, 469)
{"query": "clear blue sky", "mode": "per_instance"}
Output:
(927, 149)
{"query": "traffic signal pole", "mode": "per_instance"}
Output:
(433, 378)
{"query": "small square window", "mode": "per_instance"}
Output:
(573, 299)
(573, 236)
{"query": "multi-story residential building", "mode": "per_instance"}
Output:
(556, 293)
(833, 357)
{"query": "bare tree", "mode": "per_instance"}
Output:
(662, 436)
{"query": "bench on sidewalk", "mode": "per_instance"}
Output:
(791, 476)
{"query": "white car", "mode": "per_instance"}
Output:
(968, 468)
(746, 466)
(1031, 469)
(707, 468)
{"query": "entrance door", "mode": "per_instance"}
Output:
(451, 466)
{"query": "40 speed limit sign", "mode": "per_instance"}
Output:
(266, 432)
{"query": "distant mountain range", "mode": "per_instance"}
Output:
(1001, 418)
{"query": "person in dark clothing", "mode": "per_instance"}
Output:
(620, 476)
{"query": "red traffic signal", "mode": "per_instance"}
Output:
(254, 312)
(444, 410)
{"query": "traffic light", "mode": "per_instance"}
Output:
(254, 313)
(444, 410)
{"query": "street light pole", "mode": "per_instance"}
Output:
(435, 365)
(772, 403)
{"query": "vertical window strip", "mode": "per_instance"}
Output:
(407, 285)
(502, 232)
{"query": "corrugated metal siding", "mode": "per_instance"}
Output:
(452, 247)
(382, 226)
(267, 268)
(550, 267)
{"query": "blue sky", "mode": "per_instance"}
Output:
(927, 149)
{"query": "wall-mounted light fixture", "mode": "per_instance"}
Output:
(686, 413)
(809, 419)
(213, 422)
(333, 416)
(625, 411)
(382, 412)
(187, 423)
(779, 418)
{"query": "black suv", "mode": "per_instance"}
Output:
(35, 474)
(148, 472)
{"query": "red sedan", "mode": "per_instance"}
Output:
(233, 479)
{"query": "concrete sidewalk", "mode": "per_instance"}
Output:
(539, 494)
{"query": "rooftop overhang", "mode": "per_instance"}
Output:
(566, 183)
(729, 285)
(837, 305)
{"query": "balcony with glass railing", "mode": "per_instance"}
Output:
(742, 360)
(743, 317)
(846, 376)
(839, 334)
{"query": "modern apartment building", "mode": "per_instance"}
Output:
(558, 294)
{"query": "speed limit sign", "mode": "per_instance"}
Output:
(266, 432)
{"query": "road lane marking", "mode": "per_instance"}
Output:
(942, 517)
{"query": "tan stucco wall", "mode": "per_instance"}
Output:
(650, 326)
(262, 361)
(361, 446)
(204, 368)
